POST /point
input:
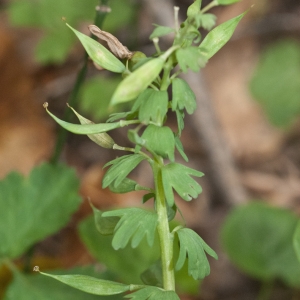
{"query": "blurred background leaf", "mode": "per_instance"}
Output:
(276, 82)
(259, 240)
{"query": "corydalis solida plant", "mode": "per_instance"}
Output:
(146, 83)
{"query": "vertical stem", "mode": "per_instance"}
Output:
(165, 237)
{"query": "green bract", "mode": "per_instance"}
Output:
(99, 54)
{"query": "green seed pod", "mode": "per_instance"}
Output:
(138, 81)
(101, 139)
(99, 54)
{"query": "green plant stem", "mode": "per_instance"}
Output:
(73, 98)
(165, 237)
(209, 6)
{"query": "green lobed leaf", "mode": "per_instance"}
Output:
(259, 240)
(296, 240)
(154, 107)
(161, 31)
(182, 96)
(134, 225)
(276, 82)
(176, 176)
(105, 225)
(226, 2)
(91, 285)
(193, 248)
(153, 293)
(88, 128)
(136, 260)
(138, 81)
(35, 207)
(207, 21)
(99, 54)
(37, 287)
(219, 36)
(120, 168)
(190, 58)
(160, 140)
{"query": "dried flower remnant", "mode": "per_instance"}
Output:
(115, 46)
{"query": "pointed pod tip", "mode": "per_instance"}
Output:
(36, 269)
(45, 105)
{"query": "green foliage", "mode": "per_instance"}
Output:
(147, 80)
(154, 108)
(34, 208)
(134, 225)
(192, 247)
(120, 168)
(276, 82)
(259, 240)
(35, 287)
(119, 262)
(296, 240)
(190, 58)
(160, 140)
(161, 31)
(177, 176)
(47, 15)
(153, 293)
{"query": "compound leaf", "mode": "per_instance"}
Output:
(153, 293)
(193, 248)
(120, 168)
(180, 149)
(177, 176)
(35, 207)
(134, 224)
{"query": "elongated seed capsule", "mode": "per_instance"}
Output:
(99, 54)
(102, 139)
(137, 81)
(140, 79)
